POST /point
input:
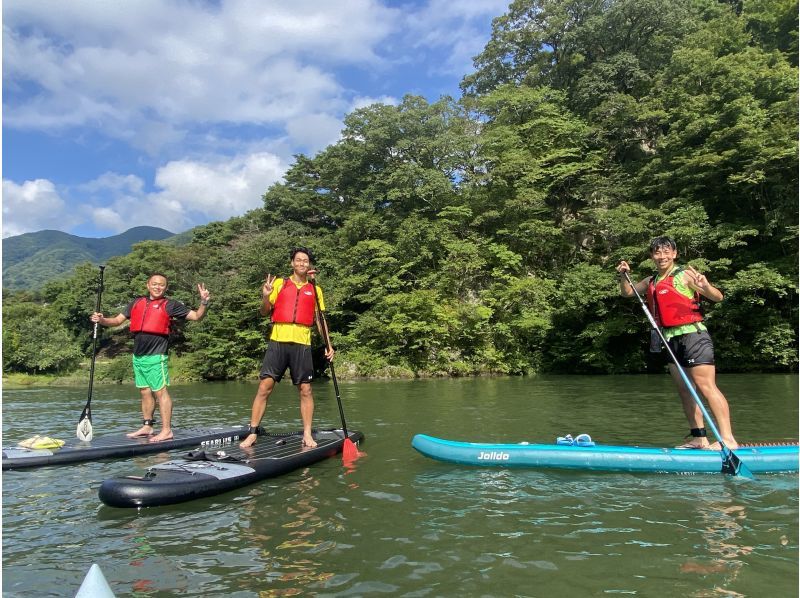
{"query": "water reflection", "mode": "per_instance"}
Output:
(292, 544)
(568, 526)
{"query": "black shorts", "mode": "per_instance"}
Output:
(694, 348)
(296, 357)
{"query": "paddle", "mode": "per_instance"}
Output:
(731, 464)
(84, 431)
(349, 449)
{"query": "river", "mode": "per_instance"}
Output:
(398, 524)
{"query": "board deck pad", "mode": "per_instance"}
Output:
(213, 469)
(110, 446)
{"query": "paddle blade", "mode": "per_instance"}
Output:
(732, 465)
(84, 431)
(350, 451)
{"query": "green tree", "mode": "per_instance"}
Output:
(35, 341)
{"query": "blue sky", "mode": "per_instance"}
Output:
(174, 113)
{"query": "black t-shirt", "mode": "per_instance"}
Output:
(145, 343)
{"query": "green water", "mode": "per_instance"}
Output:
(398, 524)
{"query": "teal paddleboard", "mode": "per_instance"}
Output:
(599, 457)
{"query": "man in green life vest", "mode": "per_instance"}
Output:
(291, 302)
(673, 296)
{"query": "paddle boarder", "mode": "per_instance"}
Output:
(673, 295)
(150, 318)
(291, 304)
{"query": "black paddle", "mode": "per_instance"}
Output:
(84, 431)
(349, 449)
(731, 464)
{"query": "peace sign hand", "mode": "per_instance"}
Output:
(696, 280)
(205, 294)
(266, 288)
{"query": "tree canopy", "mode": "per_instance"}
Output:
(479, 235)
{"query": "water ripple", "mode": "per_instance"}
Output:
(402, 525)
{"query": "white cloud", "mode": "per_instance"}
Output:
(187, 193)
(111, 181)
(133, 67)
(455, 27)
(220, 94)
(31, 206)
(109, 219)
(364, 101)
(219, 190)
(314, 131)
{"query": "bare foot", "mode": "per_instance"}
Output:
(309, 441)
(249, 441)
(141, 432)
(732, 444)
(694, 443)
(162, 435)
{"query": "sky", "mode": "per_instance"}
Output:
(176, 113)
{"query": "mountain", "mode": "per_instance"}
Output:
(33, 259)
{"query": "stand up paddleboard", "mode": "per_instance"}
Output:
(114, 446)
(209, 471)
(597, 457)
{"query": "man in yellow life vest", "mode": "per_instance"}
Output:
(291, 302)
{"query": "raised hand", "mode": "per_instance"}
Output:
(623, 267)
(695, 279)
(266, 288)
(205, 295)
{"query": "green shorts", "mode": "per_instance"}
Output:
(150, 371)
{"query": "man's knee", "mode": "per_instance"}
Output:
(265, 387)
(708, 388)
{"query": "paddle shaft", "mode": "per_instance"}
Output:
(327, 341)
(728, 453)
(682, 372)
(87, 411)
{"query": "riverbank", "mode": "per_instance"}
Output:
(107, 371)
(120, 371)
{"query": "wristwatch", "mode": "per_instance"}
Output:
(204, 302)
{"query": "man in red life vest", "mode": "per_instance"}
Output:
(674, 300)
(292, 303)
(150, 318)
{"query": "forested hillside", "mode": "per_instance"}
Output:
(32, 259)
(480, 234)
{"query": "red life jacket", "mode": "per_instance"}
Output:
(293, 305)
(671, 307)
(150, 316)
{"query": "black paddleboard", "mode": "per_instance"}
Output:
(213, 470)
(112, 446)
